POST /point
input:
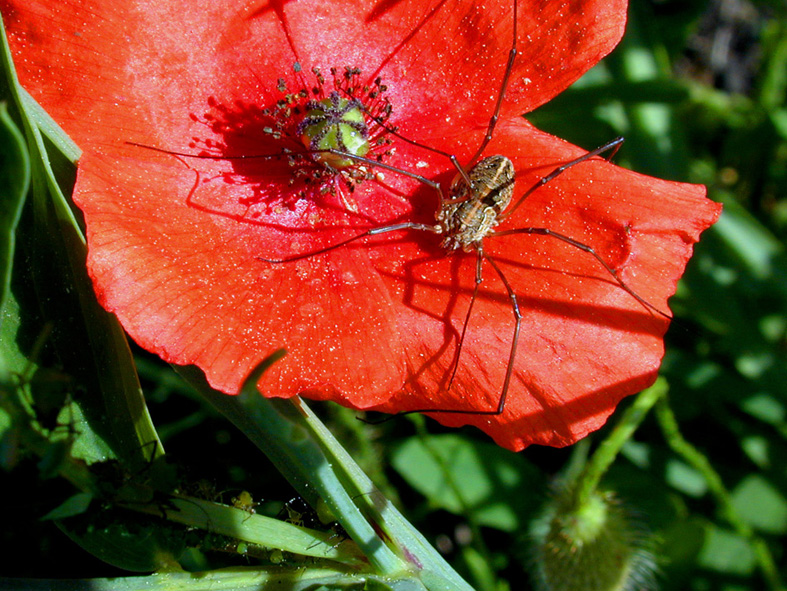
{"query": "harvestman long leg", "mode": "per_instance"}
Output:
(492, 121)
(613, 145)
(479, 278)
(360, 159)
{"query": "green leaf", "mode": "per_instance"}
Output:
(761, 504)
(754, 247)
(766, 407)
(726, 552)
(258, 529)
(51, 131)
(685, 478)
(76, 505)
(14, 184)
(477, 480)
(142, 546)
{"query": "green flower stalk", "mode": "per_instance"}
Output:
(585, 539)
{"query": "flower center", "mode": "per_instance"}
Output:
(335, 123)
(306, 135)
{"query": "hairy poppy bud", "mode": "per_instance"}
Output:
(593, 546)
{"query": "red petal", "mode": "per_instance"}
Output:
(175, 246)
(111, 72)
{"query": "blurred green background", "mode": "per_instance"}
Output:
(699, 90)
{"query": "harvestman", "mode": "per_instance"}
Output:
(478, 200)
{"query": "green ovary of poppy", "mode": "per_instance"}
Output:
(335, 124)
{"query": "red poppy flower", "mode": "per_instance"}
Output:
(176, 244)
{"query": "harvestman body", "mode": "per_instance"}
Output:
(479, 198)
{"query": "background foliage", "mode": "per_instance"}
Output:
(699, 90)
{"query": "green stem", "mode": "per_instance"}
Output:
(692, 456)
(609, 449)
